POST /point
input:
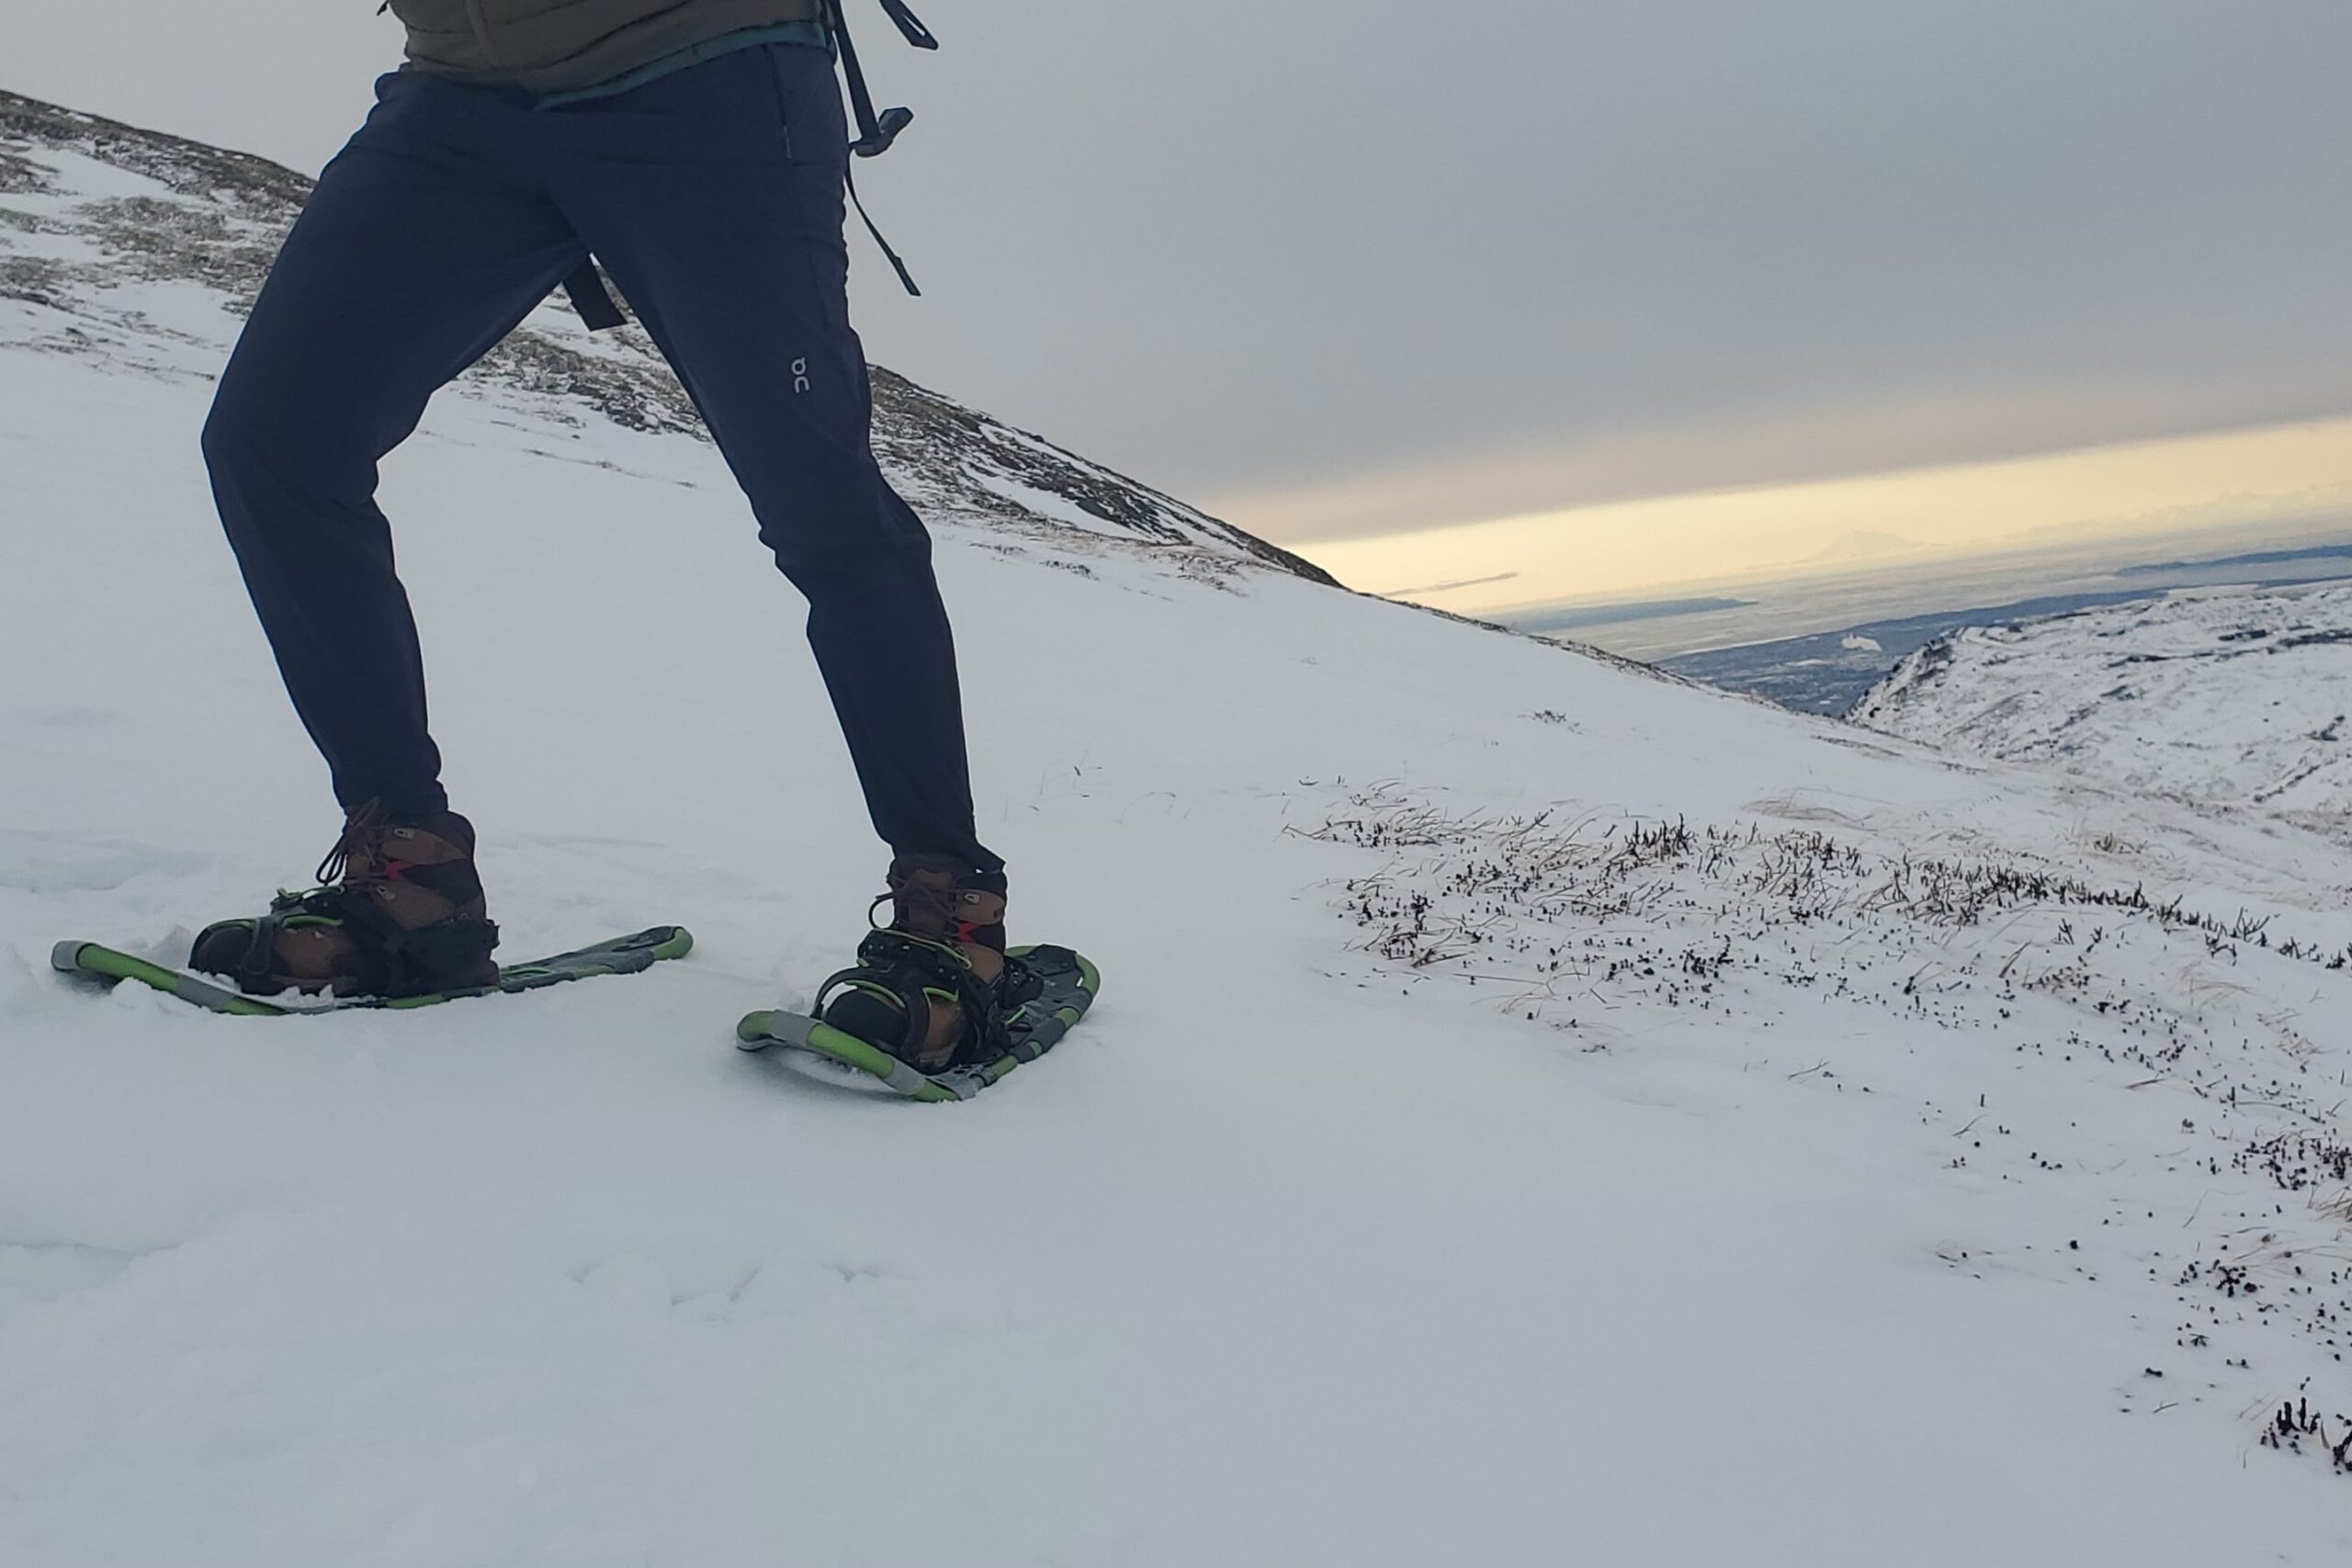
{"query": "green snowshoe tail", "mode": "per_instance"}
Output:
(1071, 985)
(758, 1031)
(91, 961)
(1045, 1018)
(622, 955)
(619, 955)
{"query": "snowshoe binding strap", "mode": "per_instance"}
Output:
(256, 971)
(376, 956)
(894, 992)
(904, 974)
(398, 912)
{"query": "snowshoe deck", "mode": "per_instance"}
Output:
(1070, 985)
(618, 955)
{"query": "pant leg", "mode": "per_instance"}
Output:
(417, 252)
(714, 198)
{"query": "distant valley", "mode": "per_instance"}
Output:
(1817, 644)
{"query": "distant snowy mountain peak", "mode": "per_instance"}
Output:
(105, 230)
(2235, 700)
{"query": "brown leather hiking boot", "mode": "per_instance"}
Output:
(400, 912)
(928, 986)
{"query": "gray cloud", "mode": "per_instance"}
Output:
(1244, 248)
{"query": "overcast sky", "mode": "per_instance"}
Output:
(1348, 266)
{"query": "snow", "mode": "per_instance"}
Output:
(1781, 1215)
(2231, 699)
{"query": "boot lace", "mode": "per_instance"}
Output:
(362, 840)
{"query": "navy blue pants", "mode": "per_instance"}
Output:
(714, 198)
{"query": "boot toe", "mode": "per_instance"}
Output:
(220, 948)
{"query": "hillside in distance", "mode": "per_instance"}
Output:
(1538, 1110)
(2235, 700)
(98, 217)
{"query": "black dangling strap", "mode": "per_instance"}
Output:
(588, 298)
(875, 133)
(909, 24)
(898, 266)
(871, 138)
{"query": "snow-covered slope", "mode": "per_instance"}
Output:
(2233, 699)
(1538, 1113)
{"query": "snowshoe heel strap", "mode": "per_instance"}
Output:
(255, 973)
(905, 968)
(914, 1008)
(418, 962)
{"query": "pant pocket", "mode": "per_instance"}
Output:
(807, 104)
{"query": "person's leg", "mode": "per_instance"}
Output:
(416, 253)
(714, 198)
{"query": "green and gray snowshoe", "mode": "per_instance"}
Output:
(619, 955)
(1055, 988)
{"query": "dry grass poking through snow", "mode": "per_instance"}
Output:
(2137, 1060)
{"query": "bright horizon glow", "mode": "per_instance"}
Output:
(2274, 474)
